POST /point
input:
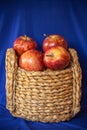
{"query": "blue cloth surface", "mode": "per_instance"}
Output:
(35, 18)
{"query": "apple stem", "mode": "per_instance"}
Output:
(45, 35)
(51, 55)
(26, 38)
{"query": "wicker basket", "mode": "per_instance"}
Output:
(46, 96)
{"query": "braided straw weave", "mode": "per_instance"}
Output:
(46, 96)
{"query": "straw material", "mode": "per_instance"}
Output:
(46, 96)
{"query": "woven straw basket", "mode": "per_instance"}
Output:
(46, 96)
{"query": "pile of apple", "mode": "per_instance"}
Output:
(54, 56)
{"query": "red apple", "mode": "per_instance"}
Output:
(54, 40)
(31, 60)
(56, 58)
(24, 43)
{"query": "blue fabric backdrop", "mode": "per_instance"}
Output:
(35, 18)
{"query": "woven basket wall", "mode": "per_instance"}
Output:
(46, 96)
